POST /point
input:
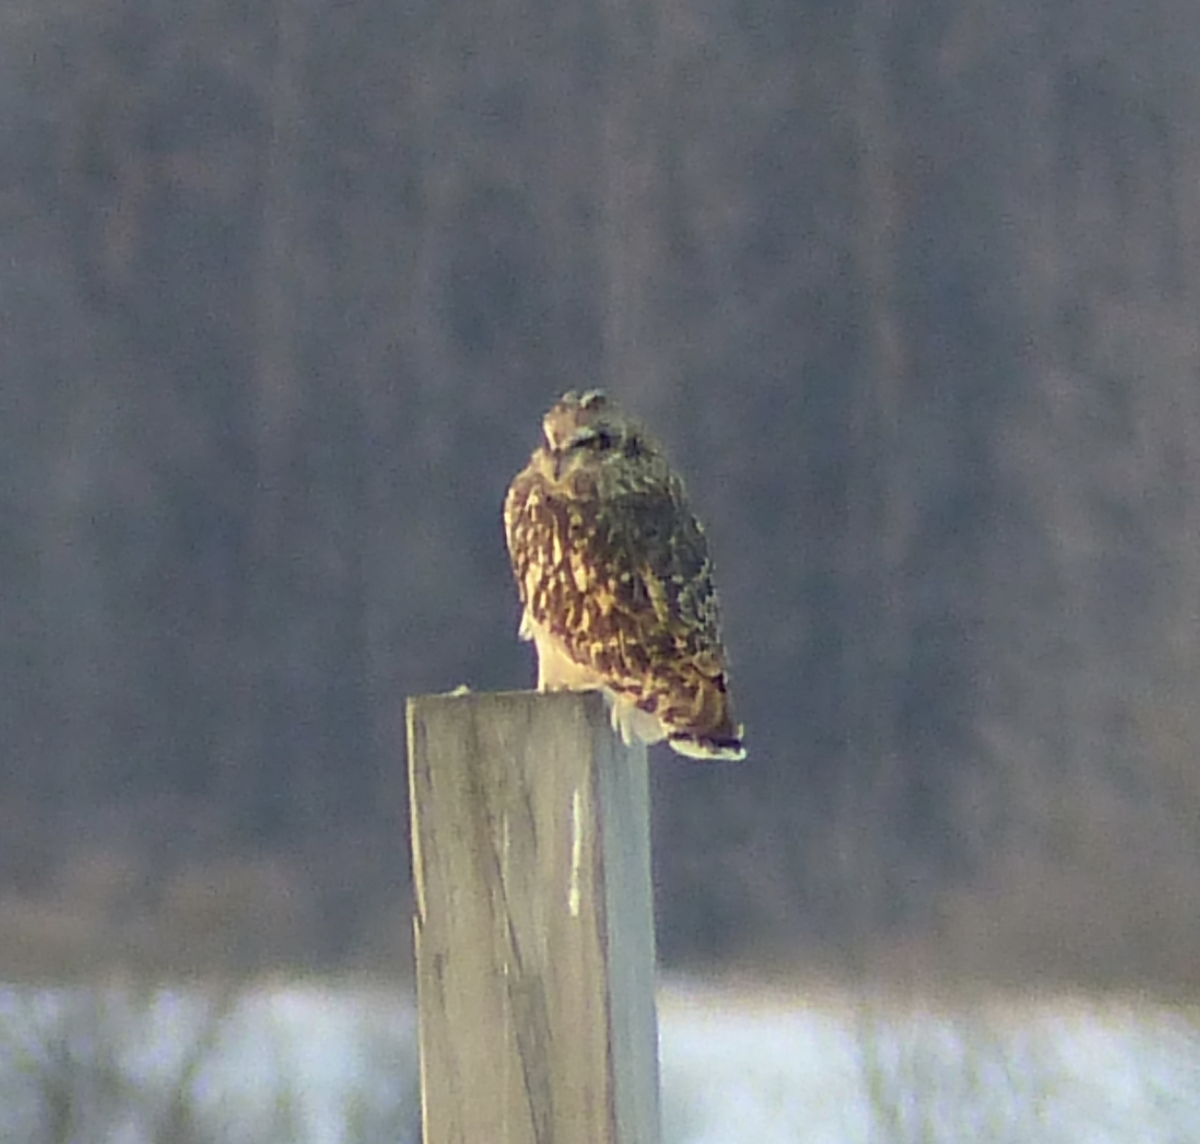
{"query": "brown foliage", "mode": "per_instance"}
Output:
(908, 291)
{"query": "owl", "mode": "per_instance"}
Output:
(616, 582)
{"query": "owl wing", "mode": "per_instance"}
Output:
(624, 584)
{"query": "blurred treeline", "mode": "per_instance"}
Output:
(911, 289)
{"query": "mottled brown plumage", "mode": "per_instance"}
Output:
(615, 579)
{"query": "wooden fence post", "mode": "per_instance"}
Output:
(534, 922)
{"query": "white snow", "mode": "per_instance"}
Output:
(308, 1063)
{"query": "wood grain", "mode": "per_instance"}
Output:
(534, 922)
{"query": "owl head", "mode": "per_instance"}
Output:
(589, 421)
(584, 431)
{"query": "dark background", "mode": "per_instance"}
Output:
(909, 287)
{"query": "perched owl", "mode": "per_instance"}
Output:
(615, 579)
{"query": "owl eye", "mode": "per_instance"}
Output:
(603, 440)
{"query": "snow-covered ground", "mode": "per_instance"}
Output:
(306, 1064)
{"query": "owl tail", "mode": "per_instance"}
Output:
(731, 748)
(707, 729)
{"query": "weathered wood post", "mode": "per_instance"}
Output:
(534, 922)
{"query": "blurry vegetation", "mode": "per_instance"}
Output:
(260, 1065)
(1026, 1073)
(69, 1068)
(909, 287)
(961, 1078)
(161, 1067)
